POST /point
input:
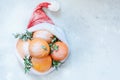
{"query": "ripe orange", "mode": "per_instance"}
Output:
(42, 64)
(61, 53)
(22, 47)
(44, 34)
(38, 48)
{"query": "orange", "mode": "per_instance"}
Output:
(42, 64)
(44, 34)
(61, 53)
(22, 47)
(38, 48)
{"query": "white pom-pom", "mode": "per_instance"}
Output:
(54, 6)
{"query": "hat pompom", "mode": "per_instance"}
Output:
(54, 6)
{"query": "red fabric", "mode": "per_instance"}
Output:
(39, 16)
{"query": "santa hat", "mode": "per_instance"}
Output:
(39, 16)
(39, 20)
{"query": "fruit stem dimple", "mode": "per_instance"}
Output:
(44, 47)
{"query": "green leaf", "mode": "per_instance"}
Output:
(55, 63)
(24, 36)
(27, 64)
(16, 35)
(54, 39)
(52, 45)
(55, 47)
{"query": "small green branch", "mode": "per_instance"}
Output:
(27, 63)
(56, 64)
(24, 36)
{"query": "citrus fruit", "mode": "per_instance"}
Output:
(22, 47)
(38, 48)
(44, 34)
(42, 64)
(60, 51)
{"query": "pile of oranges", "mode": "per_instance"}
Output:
(43, 48)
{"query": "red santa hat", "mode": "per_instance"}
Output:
(39, 16)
